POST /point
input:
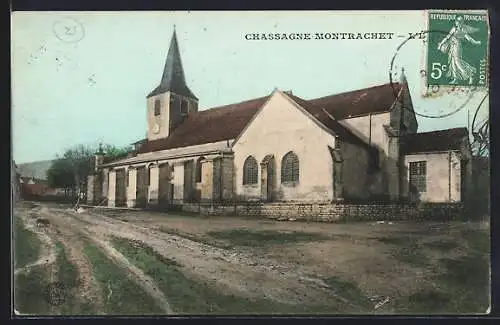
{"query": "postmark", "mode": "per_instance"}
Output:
(55, 293)
(458, 97)
(459, 56)
(68, 30)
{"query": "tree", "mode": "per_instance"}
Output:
(60, 175)
(113, 152)
(70, 171)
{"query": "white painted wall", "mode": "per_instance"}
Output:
(443, 176)
(111, 189)
(132, 188)
(377, 137)
(278, 128)
(178, 182)
(153, 184)
(361, 127)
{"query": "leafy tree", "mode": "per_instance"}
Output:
(60, 175)
(112, 152)
(70, 170)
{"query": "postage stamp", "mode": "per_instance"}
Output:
(161, 159)
(457, 48)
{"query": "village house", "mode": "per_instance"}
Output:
(357, 146)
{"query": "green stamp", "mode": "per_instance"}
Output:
(457, 48)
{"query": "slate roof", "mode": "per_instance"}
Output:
(377, 99)
(173, 74)
(213, 125)
(326, 119)
(228, 121)
(442, 140)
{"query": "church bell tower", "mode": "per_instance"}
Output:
(171, 101)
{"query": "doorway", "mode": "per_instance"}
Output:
(142, 187)
(120, 194)
(268, 178)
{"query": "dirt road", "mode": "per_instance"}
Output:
(291, 274)
(228, 270)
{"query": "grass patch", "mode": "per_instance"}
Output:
(252, 238)
(195, 238)
(68, 276)
(349, 291)
(478, 241)
(26, 245)
(121, 295)
(426, 301)
(189, 296)
(463, 286)
(29, 292)
(441, 245)
(406, 250)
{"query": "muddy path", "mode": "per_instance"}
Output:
(87, 290)
(234, 270)
(74, 236)
(48, 252)
(231, 271)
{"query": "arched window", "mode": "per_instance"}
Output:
(198, 170)
(250, 171)
(290, 168)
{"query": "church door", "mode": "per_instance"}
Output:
(142, 187)
(120, 194)
(164, 185)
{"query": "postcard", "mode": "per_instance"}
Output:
(251, 163)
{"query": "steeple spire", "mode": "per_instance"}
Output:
(173, 78)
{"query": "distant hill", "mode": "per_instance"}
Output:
(36, 169)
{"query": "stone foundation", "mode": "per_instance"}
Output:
(328, 212)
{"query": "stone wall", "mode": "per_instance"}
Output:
(328, 212)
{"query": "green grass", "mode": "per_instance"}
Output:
(126, 297)
(349, 291)
(29, 292)
(69, 277)
(253, 238)
(406, 249)
(26, 245)
(199, 239)
(190, 296)
(463, 286)
(441, 245)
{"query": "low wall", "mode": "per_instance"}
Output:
(329, 212)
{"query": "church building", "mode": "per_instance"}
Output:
(357, 146)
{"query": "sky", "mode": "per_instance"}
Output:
(91, 86)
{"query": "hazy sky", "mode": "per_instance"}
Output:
(94, 89)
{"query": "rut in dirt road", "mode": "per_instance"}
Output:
(246, 273)
(87, 288)
(144, 281)
(48, 254)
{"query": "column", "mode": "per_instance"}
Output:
(132, 187)
(207, 178)
(153, 185)
(111, 188)
(105, 185)
(90, 190)
(227, 177)
(393, 168)
(178, 182)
